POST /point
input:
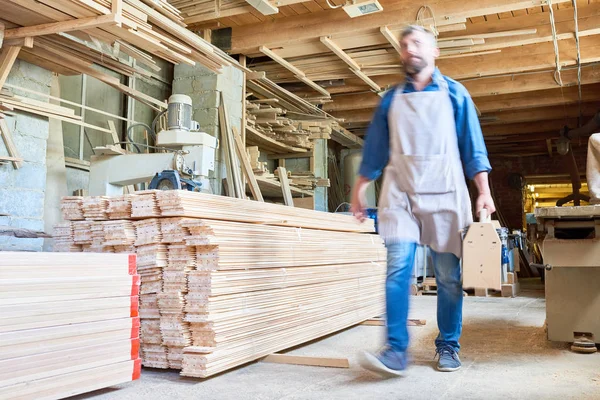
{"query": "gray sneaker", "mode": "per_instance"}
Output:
(448, 361)
(388, 362)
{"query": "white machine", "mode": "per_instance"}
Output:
(185, 158)
(571, 253)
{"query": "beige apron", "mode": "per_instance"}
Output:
(424, 196)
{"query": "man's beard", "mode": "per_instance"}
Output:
(412, 69)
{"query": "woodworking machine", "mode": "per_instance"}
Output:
(571, 253)
(183, 161)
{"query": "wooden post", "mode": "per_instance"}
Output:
(285, 187)
(246, 167)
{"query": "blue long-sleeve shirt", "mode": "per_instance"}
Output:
(473, 153)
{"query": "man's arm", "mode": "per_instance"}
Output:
(484, 200)
(472, 148)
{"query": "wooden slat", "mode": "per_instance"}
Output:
(10, 145)
(309, 361)
(246, 168)
(8, 55)
(58, 27)
(285, 187)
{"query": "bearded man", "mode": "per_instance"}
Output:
(424, 137)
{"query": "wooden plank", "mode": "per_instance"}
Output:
(381, 322)
(10, 145)
(231, 166)
(8, 55)
(60, 27)
(367, 80)
(285, 187)
(271, 54)
(330, 44)
(385, 31)
(246, 168)
(113, 132)
(308, 361)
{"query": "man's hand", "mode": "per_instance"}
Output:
(484, 200)
(359, 201)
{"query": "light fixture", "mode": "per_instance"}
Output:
(537, 204)
(562, 146)
(532, 188)
(537, 195)
(358, 8)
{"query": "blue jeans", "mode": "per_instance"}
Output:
(401, 258)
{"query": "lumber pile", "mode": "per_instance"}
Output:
(68, 323)
(225, 281)
(258, 167)
(304, 180)
(271, 122)
(69, 36)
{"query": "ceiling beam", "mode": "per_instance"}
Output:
(330, 44)
(540, 114)
(515, 60)
(391, 38)
(529, 127)
(248, 38)
(485, 104)
(297, 73)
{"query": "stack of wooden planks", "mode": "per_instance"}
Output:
(70, 36)
(68, 323)
(272, 122)
(241, 279)
(305, 180)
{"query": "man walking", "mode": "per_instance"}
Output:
(424, 138)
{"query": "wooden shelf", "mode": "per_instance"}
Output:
(269, 145)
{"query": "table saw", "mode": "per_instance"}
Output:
(571, 252)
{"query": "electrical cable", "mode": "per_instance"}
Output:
(334, 6)
(575, 16)
(557, 76)
(154, 121)
(129, 134)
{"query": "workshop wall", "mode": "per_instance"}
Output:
(22, 191)
(510, 200)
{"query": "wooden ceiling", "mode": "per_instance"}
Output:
(502, 51)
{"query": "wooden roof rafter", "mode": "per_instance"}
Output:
(354, 67)
(298, 74)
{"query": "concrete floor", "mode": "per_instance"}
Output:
(505, 355)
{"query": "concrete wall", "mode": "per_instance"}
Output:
(22, 191)
(205, 87)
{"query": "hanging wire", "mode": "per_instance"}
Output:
(421, 19)
(333, 5)
(578, 60)
(557, 76)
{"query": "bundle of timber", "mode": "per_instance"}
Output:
(305, 180)
(9, 101)
(272, 122)
(258, 167)
(201, 205)
(68, 323)
(69, 36)
(222, 286)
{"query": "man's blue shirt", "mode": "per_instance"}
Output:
(471, 145)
